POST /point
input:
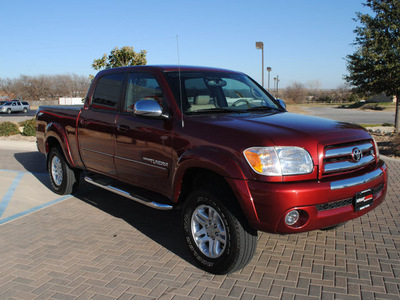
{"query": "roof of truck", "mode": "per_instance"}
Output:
(168, 68)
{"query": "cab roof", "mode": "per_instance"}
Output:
(167, 68)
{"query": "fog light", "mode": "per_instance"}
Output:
(292, 217)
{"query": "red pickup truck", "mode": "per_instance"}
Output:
(216, 145)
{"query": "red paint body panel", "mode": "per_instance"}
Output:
(273, 200)
(157, 153)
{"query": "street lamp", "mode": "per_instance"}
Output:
(277, 85)
(274, 87)
(260, 45)
(269, 69)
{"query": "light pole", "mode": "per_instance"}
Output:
(274, 87)
(277, 85)
(269, 69)
(260, 45)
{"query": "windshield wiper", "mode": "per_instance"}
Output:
(261, 108)
(211, 110)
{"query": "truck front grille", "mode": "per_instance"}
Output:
(333, 205)
(346, 157)
(345, 202)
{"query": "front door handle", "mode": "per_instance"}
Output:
(123, 128)
(84, 122)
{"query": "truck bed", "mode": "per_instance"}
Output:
(63, 121)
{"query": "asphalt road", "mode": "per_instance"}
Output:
(352, 115)
(17, 117)
(339, 114)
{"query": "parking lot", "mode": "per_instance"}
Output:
(96, 245)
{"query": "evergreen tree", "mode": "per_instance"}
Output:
(375, 66)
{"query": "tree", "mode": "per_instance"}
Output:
(125, 56)
(45, 86)
(375, 66)
(314, 87)
(296, 92)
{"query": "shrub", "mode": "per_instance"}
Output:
(373, 106)
(8, 128)
(29, 128)
(396, 145)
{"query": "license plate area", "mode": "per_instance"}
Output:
(363, 200)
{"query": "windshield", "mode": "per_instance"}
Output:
(216, 92)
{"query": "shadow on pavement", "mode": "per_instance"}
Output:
(34, 163)
(163, 227)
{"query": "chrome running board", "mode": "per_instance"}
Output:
(137, 198)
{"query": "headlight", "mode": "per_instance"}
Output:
(278, 161)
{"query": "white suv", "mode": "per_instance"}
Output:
(14, 106)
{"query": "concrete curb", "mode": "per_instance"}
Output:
(390, 158)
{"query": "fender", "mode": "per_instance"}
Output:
(58, 132)
(222, 163)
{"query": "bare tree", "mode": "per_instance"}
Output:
(314, 87)
(46, 87)
(296, 92)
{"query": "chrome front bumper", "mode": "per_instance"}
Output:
(350, 182)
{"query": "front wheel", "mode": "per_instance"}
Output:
(219, 238)
(63, 179)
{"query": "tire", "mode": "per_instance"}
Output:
(9, 110)
(63, 179)
(25, 110)
(220, 239)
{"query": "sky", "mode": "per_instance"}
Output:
(305, 41)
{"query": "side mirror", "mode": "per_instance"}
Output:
(149, 108)
(281, 103)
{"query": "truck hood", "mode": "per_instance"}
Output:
(276, 129)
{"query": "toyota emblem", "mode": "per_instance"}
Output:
(356, 154)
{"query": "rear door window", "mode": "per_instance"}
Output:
(108, 92)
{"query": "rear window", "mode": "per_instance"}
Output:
(25, 103)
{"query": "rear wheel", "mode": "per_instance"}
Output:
(219, 238)
(25, 110)
(64, 180)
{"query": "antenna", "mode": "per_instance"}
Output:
(180, 81)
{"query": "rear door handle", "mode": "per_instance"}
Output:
(84, 122)
(123, 128)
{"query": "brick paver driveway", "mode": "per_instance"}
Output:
(99, 246)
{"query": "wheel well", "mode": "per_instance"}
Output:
(51, 143)
(196, 178)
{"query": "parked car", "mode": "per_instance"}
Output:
(14, 106)
(216, 145)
